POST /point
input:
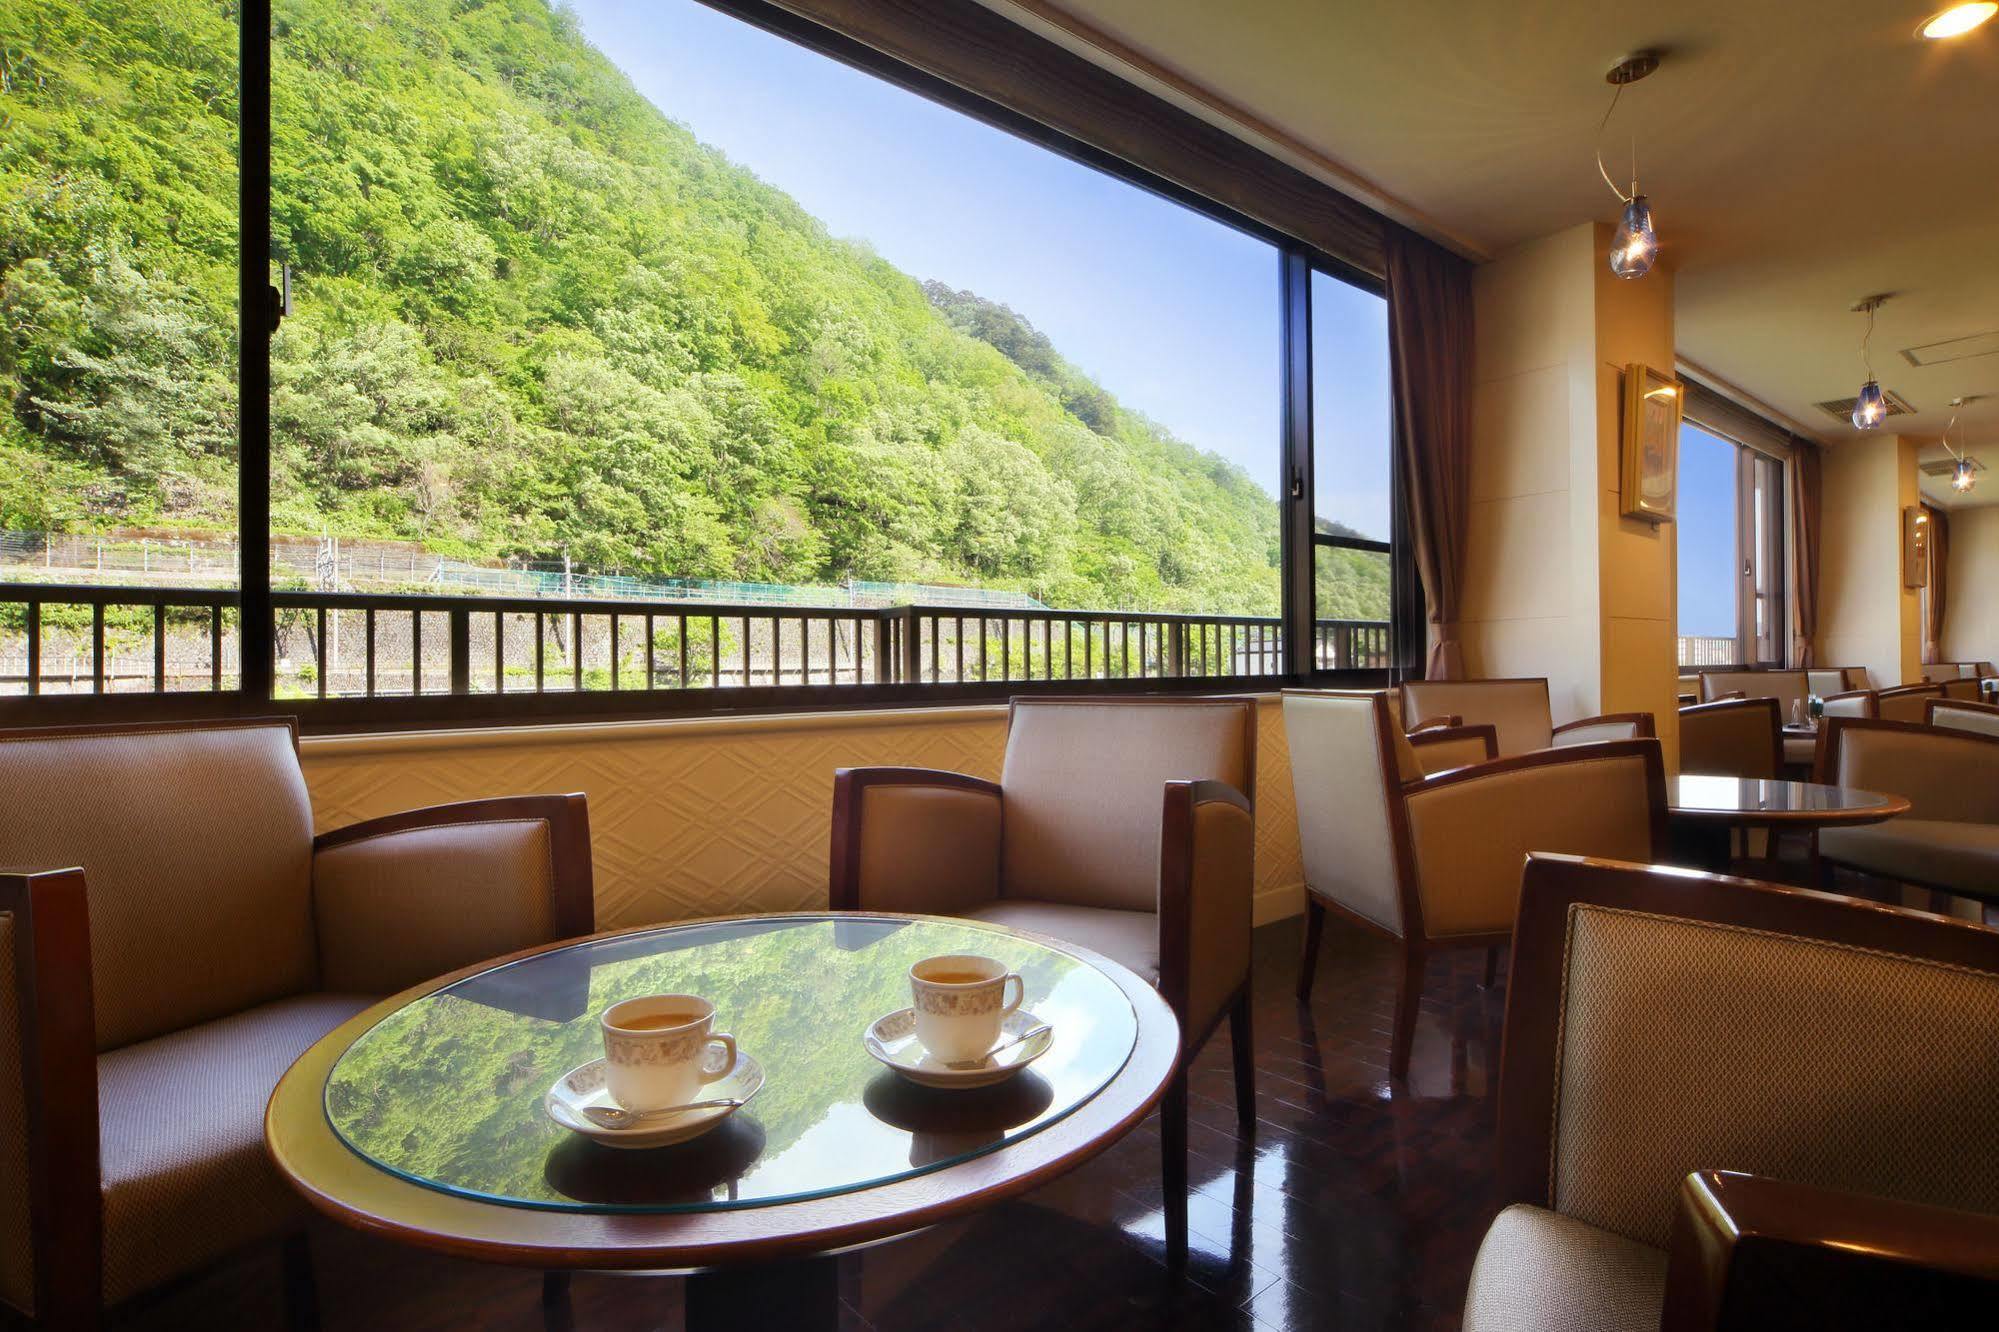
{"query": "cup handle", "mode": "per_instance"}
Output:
(728, 1044)
(1007, 1010)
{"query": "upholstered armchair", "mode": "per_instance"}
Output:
(1852, 703)
(1124, 825)
(1519, 711)
(1791, 689)
(1966, 688)
(1825, 681)
(1958, 715)
(172, 937)
(1729, 1105)
(1949, 840)
(1733, 738)
(1434, 862)
(1905, 703)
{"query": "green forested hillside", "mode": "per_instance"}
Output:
(534, 316)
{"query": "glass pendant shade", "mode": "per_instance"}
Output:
(1634, 247)
(1960, 477)
(1869, 409)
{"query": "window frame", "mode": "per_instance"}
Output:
(1759, 551)
(259, 313)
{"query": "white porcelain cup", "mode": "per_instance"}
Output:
(662, 1049)
(960, 1002)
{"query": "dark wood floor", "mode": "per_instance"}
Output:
(1355, 1206)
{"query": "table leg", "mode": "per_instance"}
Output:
(1699, 844)
(804, 1294)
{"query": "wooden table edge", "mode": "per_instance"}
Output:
(305, 1150)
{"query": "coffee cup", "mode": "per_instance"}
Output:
(660, 1050)
(960, 1001)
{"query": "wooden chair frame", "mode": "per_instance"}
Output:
(52, 969)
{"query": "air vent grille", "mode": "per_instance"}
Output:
(1842, 408)
(1943, 467)
(1953, 349)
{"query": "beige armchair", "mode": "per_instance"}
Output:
(177, 937)
(1791, 689)
(1518, 711)
(1729, 1105)
(1825, 681)
(1958, 715)
(1124, 825)
(1949, 840)
(1434, 863)
(1852, 703)
(1905, 703)
(1733, 738)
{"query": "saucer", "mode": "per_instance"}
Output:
(584, 1085)
(892, 1040)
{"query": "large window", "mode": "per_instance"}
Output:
(630, 347)
(1351, 475)
(1731, 553)
(118, 250)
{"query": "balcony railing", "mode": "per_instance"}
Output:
(72, 639)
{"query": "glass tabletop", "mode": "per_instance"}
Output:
(447, 1091)
(1696, 793)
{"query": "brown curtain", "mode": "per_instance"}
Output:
(1934, 591)
(1806, 492)
(1430, 349)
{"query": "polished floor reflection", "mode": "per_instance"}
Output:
(1354, 1207)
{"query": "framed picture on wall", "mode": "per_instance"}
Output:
(1650, 473)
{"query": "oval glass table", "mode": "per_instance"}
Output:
(1705, 808)
(421, 1118)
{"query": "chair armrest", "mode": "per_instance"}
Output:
(1610, 726)
(1437, 723)
(913, 839)
(1441, 748)
(1207, 886)
(48, 1039)
(412, 895)
(1749, 1252)
(568, 819)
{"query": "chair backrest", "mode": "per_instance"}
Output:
(1739, 738)
(1958, 715)
(1937, 672)
(1965, 687)
(1946, 774)
(1662, 1021)
(1343, 772)
(1787, 687)
(196, 848)
(1905, 702)
(1825, 681)
(1853, 703)
(1517, 710)
(1083, 788)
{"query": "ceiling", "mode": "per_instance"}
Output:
(1798, 157)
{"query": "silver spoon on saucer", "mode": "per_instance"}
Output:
(617, 1117)
(960, 1065)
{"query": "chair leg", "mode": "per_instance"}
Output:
(1406, 996)
(556, 1314)
(1173, 1167)
(1308, 965)
(301, 1289)
(1242, 1044)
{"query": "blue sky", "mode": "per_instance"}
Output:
(1174, 313)
(1706, 516)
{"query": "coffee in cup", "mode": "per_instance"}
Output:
(662, 1049)
(960, 1002)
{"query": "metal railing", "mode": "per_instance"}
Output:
(83, 639)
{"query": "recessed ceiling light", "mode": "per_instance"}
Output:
(1959, 19)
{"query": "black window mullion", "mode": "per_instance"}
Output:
(255, 324)
(1295, 454)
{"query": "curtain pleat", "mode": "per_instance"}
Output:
(1806, 492)
(1430, 345)
(1934, 603)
